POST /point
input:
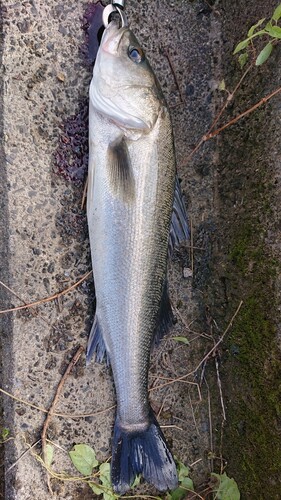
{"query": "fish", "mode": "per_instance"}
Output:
(136, 216)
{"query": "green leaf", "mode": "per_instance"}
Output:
(180, 492)
(83, 458)
(97, 489)
(181, 339)
(5, 433)
(177, 494)
(252, 29)
(136, 481)
(226, 488)
(277, 13)
(242, 45)
(183, 471)
(48, 455)
(264, 54)
(222, 85)
(106, 481)
(105, 474)
(187, 484)
(243, 58)
(105, 487)
(274, 31)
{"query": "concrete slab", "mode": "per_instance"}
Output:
(45, 83)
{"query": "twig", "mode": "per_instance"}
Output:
(245, 113)
(229, 99)
(210, 135)
(72, 363)
(196, 462)
(48, 299)
(172, 426)
(172, 67)
(183, 377)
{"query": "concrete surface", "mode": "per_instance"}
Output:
(44, 245)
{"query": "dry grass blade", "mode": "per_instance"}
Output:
(72, 363)
(56, 414)
(21, 456)
(47, 299)
(209, 353)
(84, 194)
(220, 389)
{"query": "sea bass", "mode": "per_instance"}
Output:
(132, 189)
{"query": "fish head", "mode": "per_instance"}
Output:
(124, 87)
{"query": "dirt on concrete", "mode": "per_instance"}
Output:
(232, 193)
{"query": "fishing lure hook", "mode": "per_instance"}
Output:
(115, 6)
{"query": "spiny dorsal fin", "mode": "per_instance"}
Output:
(120, 170)
(179, 231)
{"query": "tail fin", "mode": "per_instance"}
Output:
(142, 452)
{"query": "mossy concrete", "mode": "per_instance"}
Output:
(245, 265)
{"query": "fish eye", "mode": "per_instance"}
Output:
(136, 54)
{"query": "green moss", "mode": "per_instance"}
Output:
(252, 440)
(251, 366)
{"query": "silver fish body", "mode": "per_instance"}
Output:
(131, 187)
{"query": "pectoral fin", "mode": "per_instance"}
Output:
(120, 170)
(179, 231)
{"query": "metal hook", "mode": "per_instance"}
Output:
(113, 7)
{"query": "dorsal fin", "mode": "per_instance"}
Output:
(179, 231)
(120, 170)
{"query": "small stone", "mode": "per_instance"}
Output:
(187, 272)
(61, 77)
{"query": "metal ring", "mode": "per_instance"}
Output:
(106, 13)
(119, 3)
(109, 9)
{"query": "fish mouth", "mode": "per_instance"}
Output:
(112, 37)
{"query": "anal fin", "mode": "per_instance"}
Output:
(96, 344)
